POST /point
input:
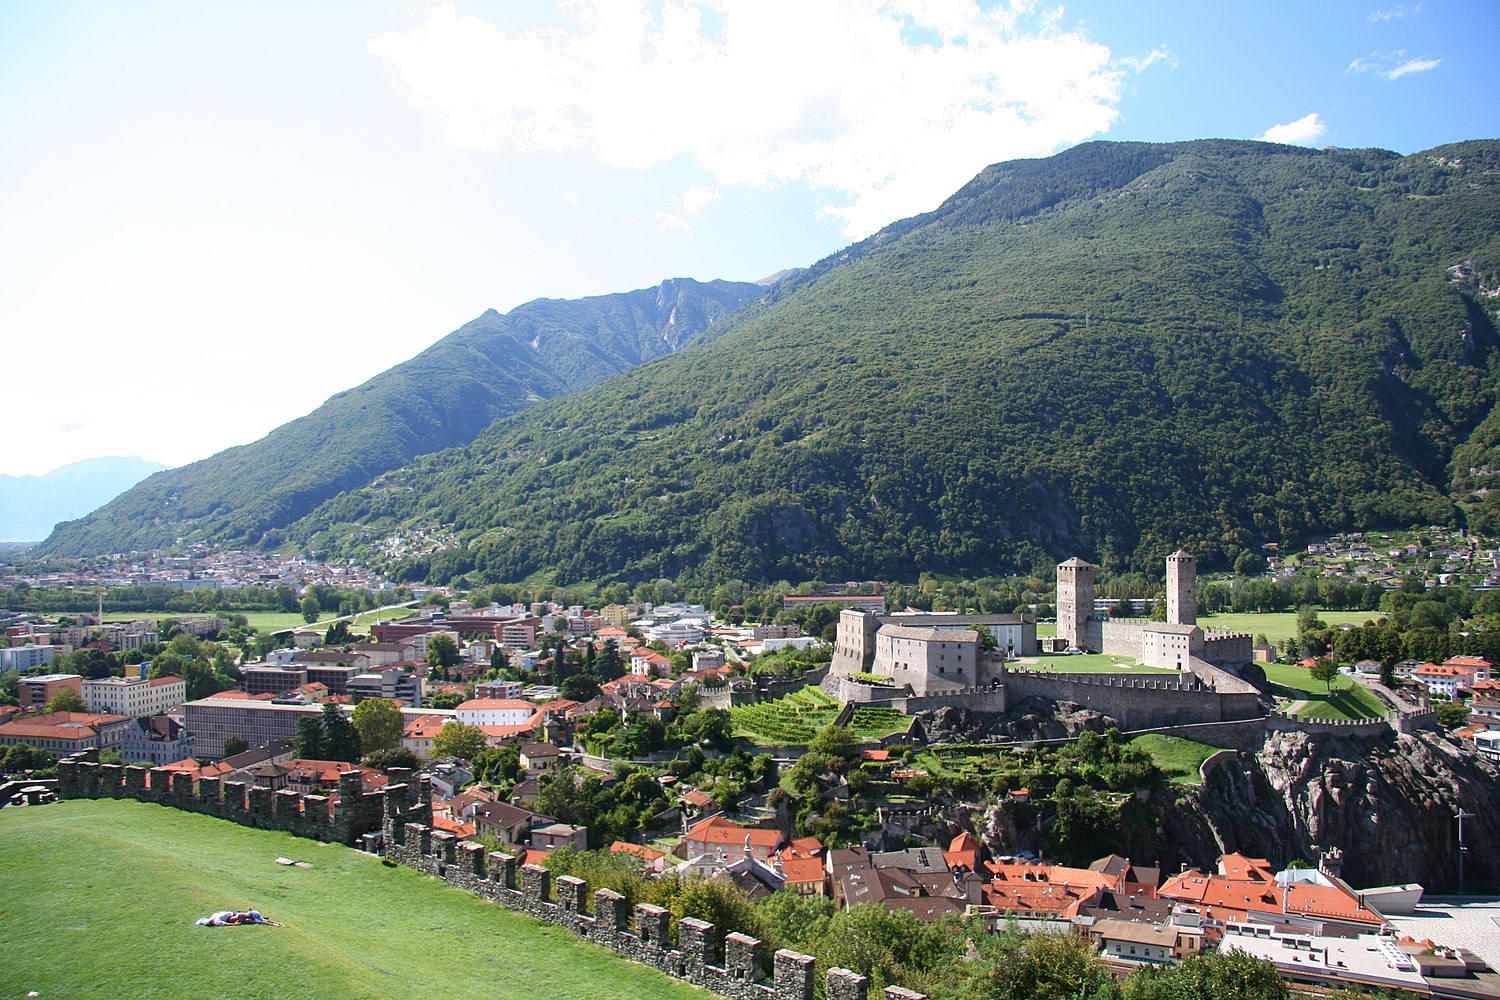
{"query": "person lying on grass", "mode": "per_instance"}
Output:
(230, 918)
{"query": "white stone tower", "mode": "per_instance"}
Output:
(1182, 588)
(1075, 600)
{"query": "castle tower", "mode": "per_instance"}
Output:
(1182, 588)
(1075, 600)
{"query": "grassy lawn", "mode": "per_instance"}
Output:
(1348, 700)
(100, 897)
(1281, 625)
(266, 621)
(1090, 663)
(1178, 757)
(369, 618)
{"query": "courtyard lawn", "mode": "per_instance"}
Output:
(100, 899)
(1279, 626)
(1177, 757)
(1089, 663)
(1348, 699)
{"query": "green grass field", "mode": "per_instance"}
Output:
(1348, 699)
(266, 621)
(100, 897)
(1090, 663)
(1279, 626)
(1179, 758)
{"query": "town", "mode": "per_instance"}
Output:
(756, 756)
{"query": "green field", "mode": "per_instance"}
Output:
(100, 897)
(1279, 626)
(265, 621)
(1177, 757)
(1090, 663)
(795, 719)
(1348, 700)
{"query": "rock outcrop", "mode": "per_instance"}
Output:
(1388, 803)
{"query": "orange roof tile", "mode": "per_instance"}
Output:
(640, 851)
(718, 830)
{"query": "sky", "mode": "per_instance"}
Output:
(214, 216)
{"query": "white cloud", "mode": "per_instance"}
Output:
(1396, 12)
(1412, 66)
(887, 105)
(696, 198)
(1303, 132)
(666, 222)
(1391, 65)
(1159, 54)
(570, 198)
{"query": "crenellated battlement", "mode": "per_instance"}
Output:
(740, 973)
(357, 812)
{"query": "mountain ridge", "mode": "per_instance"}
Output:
(1110, 352)
(492, 366)
(30, 506)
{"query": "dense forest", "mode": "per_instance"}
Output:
(491, 367)
(1112, 352)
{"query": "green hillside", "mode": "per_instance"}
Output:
(101, 897)
(1112, 352)
(493, 367)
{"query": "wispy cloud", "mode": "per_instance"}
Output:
(1303, 132)
(1391, 65)
(1396, 12)
(666, 222)
(914, 98)
(1138, 63)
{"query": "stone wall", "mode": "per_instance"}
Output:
(741, 972)
(1141, 702)
(356, 813)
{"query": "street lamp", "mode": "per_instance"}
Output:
(1462, 847)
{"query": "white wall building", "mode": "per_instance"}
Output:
(134, 696)
(495, 712)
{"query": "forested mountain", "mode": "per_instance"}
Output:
(31, 505)
(1110, 352)
(489, 368)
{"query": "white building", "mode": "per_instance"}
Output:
(495, 712)
(133, 695)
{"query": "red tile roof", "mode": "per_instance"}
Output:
(718, 830)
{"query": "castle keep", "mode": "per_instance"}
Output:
(916, 662)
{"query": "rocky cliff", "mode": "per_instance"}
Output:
(1388, 803)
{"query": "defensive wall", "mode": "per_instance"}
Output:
(403, 812)
(355, 813)
(741, 972)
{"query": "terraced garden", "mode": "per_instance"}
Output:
(795, 719)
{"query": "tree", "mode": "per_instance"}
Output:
(310, 609)
(580, 687)
(66, 700)
(308, 744)
(446, 699)
(384, 760)
(235, 745)
(1451, 714)
(1325, 670)
(457, 739)
(378, 721)
(340, 738)
(832, 741)
(1050, 966)
(442, 652)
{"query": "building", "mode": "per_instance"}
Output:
(393, 684)
(873, 603)
(135, 696)
(63, 733)
(498, 690)
(28, 656)
(495, 712)
(158, 740)
(930, 654)
(34, 692)
(214, 720)
(717, 836)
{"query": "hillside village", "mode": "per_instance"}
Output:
(623, 729)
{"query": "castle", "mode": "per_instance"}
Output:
(916, 662)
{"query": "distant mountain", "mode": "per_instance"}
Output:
(31, 505)
(491, 367)
(1111, 352)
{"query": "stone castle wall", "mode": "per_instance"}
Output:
(742, 972)
(356, 813)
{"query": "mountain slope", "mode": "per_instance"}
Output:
(491, 367)
(31, 505)
(1110, 352)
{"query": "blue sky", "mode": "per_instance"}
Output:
(218, 215)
